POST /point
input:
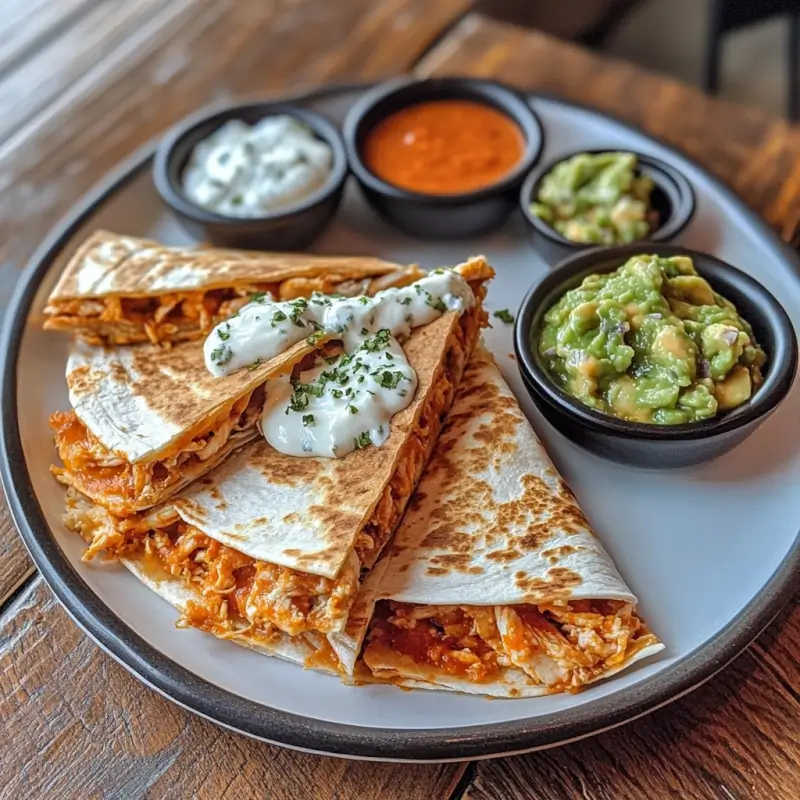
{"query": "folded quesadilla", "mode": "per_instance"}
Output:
(147, 421)
(123, 290)
(495, 584)
(272, 550)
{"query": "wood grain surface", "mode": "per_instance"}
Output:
(74, 723)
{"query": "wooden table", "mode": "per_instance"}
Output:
(83, 83)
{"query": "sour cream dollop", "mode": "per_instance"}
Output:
(345, 402)
(243, 171)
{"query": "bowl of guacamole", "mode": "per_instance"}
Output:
(654, 354)
(604, 197)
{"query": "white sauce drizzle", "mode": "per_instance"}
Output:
(239, 171)
(348, 402)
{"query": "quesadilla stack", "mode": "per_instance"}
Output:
(147, 421)
(124, 290)
(494, 583)
(279, 552)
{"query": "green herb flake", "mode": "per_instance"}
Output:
(221, 355)
(224, 332)
(362, 440)
(308, 419)
(504, 315)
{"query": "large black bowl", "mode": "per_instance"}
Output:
(441, 216)
(637, 443)
(291, 228)
(672, 198)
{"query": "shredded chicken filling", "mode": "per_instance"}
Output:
(121, 486)
(562, 647)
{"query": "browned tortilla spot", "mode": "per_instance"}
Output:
(291, 519)
(504, 555)
(437, 571)
(193, 508)
(557, 553)
(558, 583)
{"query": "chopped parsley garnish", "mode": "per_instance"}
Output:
(377, 341)
(364, 300)
(389, 380)
(258, 297)
(362, 440)
(221, 355)
(438, 271)
(352, 408)
(224, 333)
(254, 365)
(315, 337)
(237, 200)
(308, 419)
(406, 301)
(337, 394)
(435, 302)
(277, 317)
(504, 315)
(298, 402)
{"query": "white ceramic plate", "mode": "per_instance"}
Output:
(711, 552)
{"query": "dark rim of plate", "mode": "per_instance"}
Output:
(496, 95)
(175, 149)
(307, 733)
(731, 283)
(670, 184)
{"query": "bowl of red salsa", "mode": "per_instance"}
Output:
(444, 157)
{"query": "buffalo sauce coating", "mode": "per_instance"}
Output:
(444, 147)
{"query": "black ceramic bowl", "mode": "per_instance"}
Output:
(672, 198)
(637, 443)
(441, 216)
(291, 228)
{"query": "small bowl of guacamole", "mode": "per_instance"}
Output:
(654, 354)
(602, 198)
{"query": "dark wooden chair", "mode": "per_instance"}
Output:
(729, 15)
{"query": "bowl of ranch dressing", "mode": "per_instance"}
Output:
(257, 175)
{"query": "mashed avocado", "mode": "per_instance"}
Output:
(651, 342)
(596, 199)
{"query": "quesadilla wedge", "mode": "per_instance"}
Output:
(146, 421)
(495, 584)
(273, 550)
(124, 290)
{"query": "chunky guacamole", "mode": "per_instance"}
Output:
(651, 342)
(597, 199)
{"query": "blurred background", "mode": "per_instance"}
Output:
(756, 41)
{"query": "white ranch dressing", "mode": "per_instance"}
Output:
(243, 171)
(348, 402)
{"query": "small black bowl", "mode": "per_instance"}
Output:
(672, 198)
(637, 443)
(291, 228)
(441, 216)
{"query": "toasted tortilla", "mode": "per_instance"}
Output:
(108, 264)
(141, 401)
(492, 524)
(120, 290)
